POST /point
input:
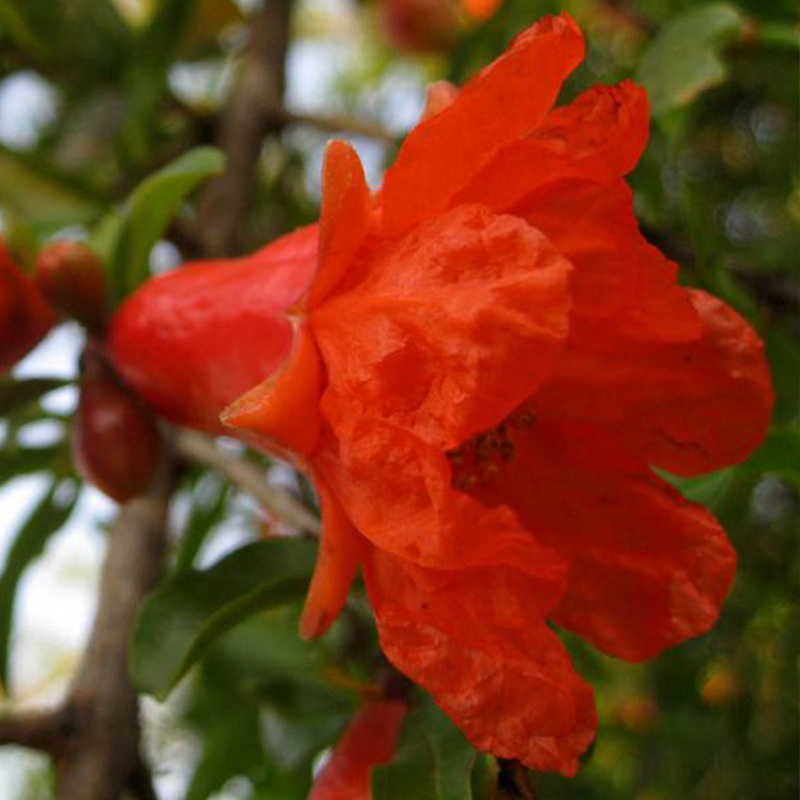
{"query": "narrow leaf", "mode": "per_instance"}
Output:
(194, 607)
(16, 22)
(434, 761)
(46, 519)
(17, 393)
(205, 513)
(230, 737)
(151, 208)
(684, 58)
(40, 195)
(22, 461)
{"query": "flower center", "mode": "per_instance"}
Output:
(478, 460)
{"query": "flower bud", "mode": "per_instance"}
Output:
(115, 442)
(192, 341)
(71, 277)
(25, 317)
(720, 686)
(420, 25)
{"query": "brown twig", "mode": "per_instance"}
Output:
(246, 475)
(224, 203)
(332, 123)
(514, 781)
(338, 123)
(39, 730)
(101, 755)
(140, 784)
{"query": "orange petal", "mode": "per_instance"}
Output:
(621, 285)
(501, 104)
(341, 550)
(397, 491)
(450, 329)
(506, 682)
(599, 136)
(689, 408)
(345, 218)
(647, 569)
(368, 740)
(284, 410)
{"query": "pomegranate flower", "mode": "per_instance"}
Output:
(430, 25)
(485, 366)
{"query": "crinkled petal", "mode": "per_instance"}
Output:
(193, 340)
(647, 568)
(688, 408)
(345, 218)
(511, 687)
(503, 596)
(621, 285)
(451, 326)
(506, 100)
(599, 136)
(397, 491)
(341, 551)
(368, 740)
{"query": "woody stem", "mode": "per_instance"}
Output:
(247, 476)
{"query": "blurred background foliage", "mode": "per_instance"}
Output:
(109, 115)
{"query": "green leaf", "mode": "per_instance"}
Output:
(779, 454)
(784, 361)
(25, 28)
(434, 761)
(17, 393)
(683, 60)
(98, 39)
(41, 195)
(51, 514)
(208, 507)
(226, 716)
(228, 726)
(193, 608)
(155, 52)
(150, 210)
(707, 490)
(20, 240)
(22, 461)
(105, 239)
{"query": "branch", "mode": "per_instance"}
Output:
(140, 784)
(336, 123)
(225, 202)
(101, 754)
(247, 476)
(39, 730)
(513, 781)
